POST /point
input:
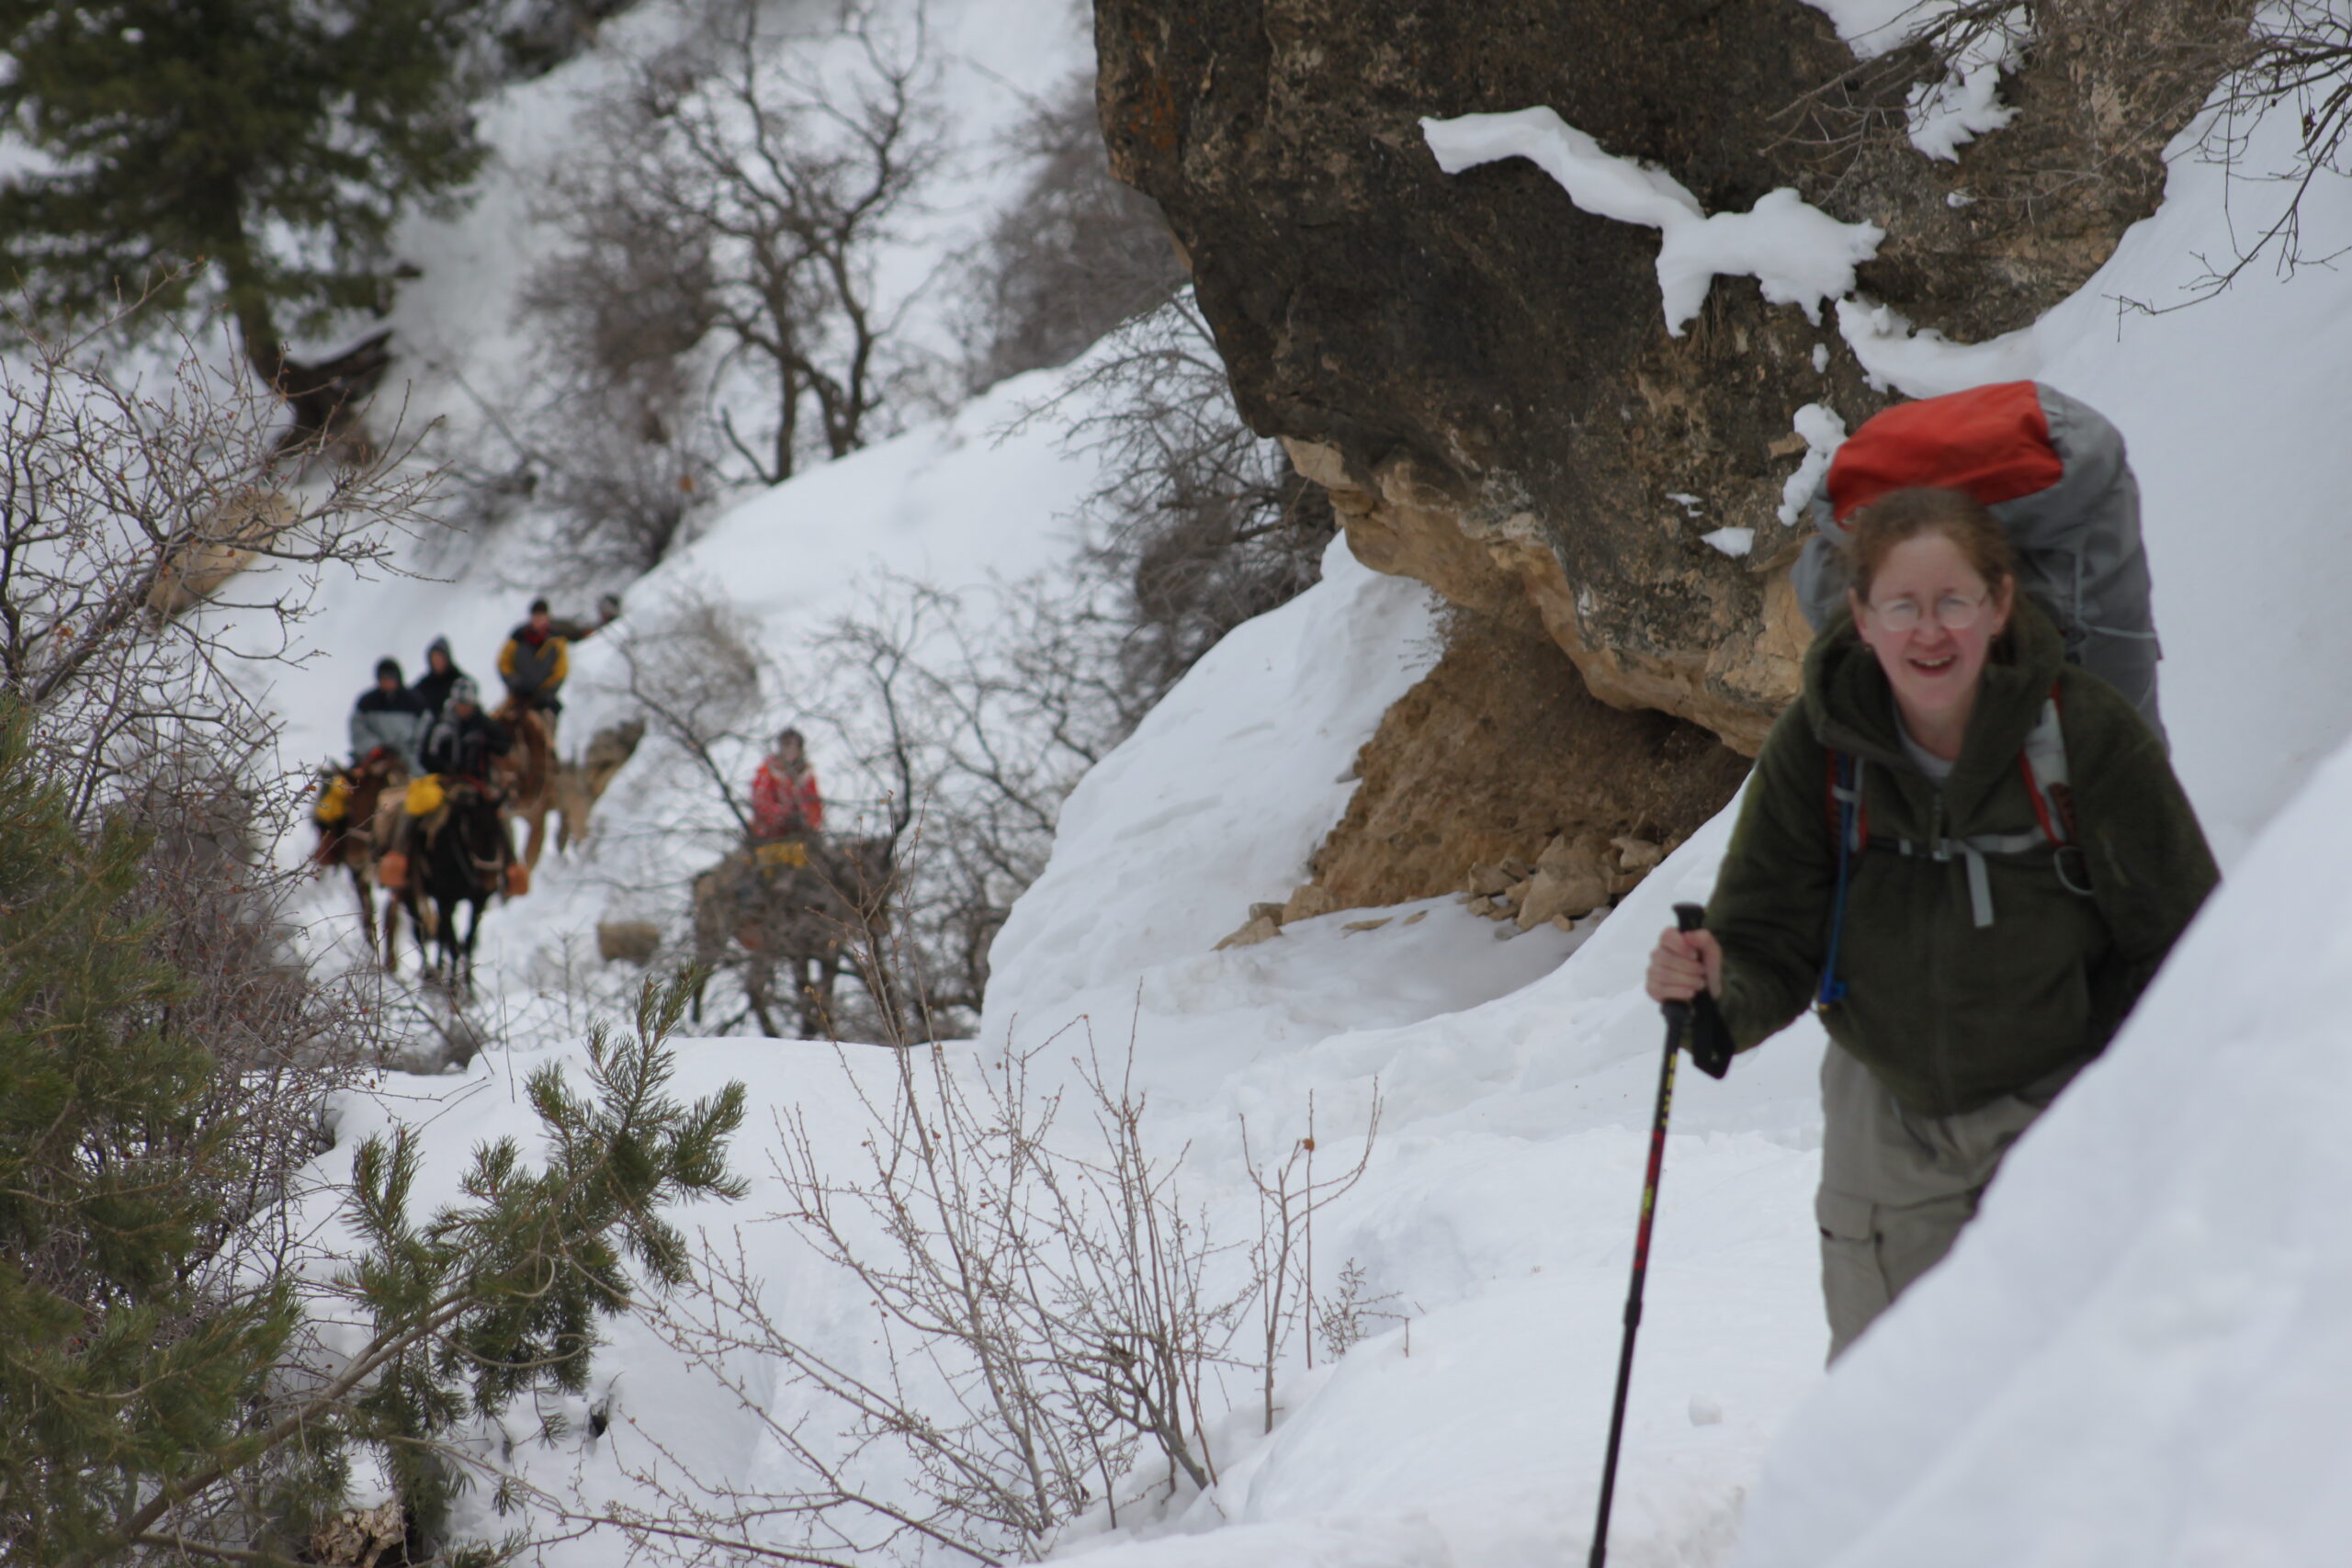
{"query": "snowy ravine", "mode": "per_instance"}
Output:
(2135, 1359)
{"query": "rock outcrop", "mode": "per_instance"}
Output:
(1500, 757)
(1499, 777)
(1480, 373)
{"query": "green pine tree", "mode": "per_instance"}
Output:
(122, 1367)
(255, 151)
(154, 1401)
(484, 1301)
(499, 1296)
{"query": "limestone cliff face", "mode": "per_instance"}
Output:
(1480, 373)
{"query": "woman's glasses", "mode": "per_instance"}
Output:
(1952, 612)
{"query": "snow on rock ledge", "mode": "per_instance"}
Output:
(1800, 254)
(1222, 793)
(2138, 1353)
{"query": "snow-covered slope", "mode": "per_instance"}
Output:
(990, 65)
(1496, 1213)
(466, 349)
(1224, 791)
(2133, 1359)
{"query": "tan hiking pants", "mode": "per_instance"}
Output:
(1896, 1187)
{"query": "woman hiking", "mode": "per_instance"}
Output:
(1987, 927)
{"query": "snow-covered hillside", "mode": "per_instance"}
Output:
(2133, 1359)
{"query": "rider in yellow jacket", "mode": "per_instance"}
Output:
(533, 663)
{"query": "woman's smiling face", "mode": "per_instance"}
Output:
(1932, 667)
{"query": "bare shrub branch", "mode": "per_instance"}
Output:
(130, 513)
(1076, 255)
(1044, 1306)
(1198, 523)
(2297, 60)
(1289, 1197)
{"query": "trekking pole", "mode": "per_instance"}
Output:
(1716, 1061)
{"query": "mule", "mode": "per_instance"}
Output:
(526, 775)
(579, 785)
(786, 914)
(461, 858)
(372, 789)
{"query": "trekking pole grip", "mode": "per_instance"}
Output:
(1710, 1042)
(1687, 918)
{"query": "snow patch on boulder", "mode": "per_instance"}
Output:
(1801, 255)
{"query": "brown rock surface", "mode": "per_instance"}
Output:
(1496, 754)
(1480, 373)
(1257, 928)
(1306, 902)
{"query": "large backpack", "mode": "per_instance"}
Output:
(2052, 470)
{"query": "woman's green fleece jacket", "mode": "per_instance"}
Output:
(1947, 1014)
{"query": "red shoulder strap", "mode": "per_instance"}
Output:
(2053, 800)
(1837, 760)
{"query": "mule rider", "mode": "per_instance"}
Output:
(785, 800)
(387, 721)
(463, 739)
(457, 748)
(432, 688)
(534, 663)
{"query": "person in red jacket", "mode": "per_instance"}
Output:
(784, 799)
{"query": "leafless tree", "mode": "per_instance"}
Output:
(693, 666)
(2293, 58)
(615, 443)
(985, 709)
(956, 721)
(1076, 255)
(1921, 51)
(1200, 523)
(158, 542)
(2296, 61)
(147, 529)
(774, 167)
(139, 521)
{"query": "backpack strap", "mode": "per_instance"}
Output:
(1850, 824)
(2042, 763)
